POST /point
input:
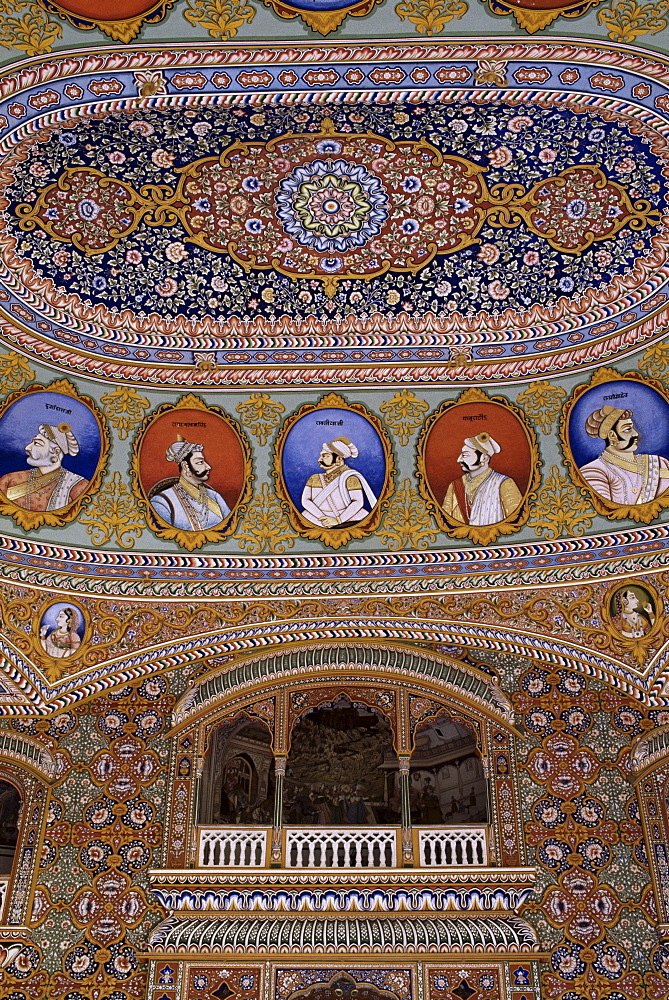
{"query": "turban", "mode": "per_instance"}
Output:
(602, 421)
(483, 442)
(61, 436)
(342, 447)
(180, 450)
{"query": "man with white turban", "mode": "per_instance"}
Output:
(46, 485)
(481, 495)
(187, 502)
(335, 497)
(620, 475)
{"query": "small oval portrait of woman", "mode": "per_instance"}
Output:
(633, 611)
(61, 630)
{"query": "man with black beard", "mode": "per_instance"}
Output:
(482, 495)
(187, 502)
(620, 475)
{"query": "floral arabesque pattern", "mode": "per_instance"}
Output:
(508, 268)
(92, 906)
(584, 749)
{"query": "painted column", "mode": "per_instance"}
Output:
(277, 817)
(405, 798)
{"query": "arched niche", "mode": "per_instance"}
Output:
(11, 808)
(237, 784)
(342, 767)
(448, 785)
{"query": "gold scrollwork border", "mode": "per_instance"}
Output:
(121, 30)
(323, 21)
(638, 647)
(334, 537)
(191, 539)
(30, 519)
(644, 512)
(481, 534)
(56, 665)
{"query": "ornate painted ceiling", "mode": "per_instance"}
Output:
(262, 228)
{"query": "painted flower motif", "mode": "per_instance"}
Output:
(201, 128)
(219, 284)
(161, 158)
(331, 264)
(133, 257)
(424, 205)
(167, 288)
(488, 253)
(410, 226)
(596, 134)
(176, 252)
(116, 156)
(38, 169)
(566, 284)
(141, 126)
(99, 283)
(603, 258)
(443, 289)
(411, 184)
(254, 226)
(52, 213)
(88, 209)
(547, 155)
(461, 205)
(331, 205)
(458, 125)
(392, 297)
(285, 245)
(202, 205)
(577, 208)
(531, 258)
(328, 147)
(500, 157)
(498, 290)
(519, 123)
(626, 165)
(67, 139)
(239, 205)
(251, 184)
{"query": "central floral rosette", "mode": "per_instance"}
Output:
(331, 205)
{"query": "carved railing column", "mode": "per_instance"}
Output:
(277, 815)
(405, 800)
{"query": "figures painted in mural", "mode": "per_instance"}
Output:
(342, 769)
(616, 437)
(188, 502)
(481, 495)
(477, 462)
(632, 611)
(212, 459)
(46, 484)
(447, 780)
(61, 631)
(620, 474)
(342, 500)
(50, 456)
(339, 495)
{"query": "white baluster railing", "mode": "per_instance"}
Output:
(452, 846)
(232, 847)
(353, 847)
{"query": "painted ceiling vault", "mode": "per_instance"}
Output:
(334, 371)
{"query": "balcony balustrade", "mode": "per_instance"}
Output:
(346, 847)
